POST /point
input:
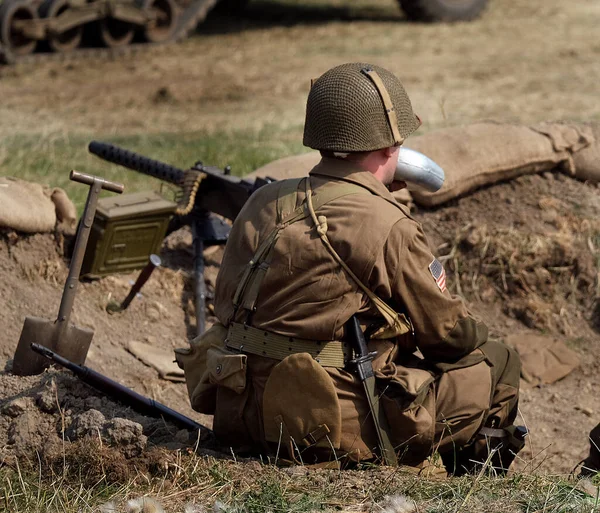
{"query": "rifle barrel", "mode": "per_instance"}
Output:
(138, 402)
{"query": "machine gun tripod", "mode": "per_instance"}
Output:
(208, 194)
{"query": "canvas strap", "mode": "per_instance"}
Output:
(387, 103)
(397, 324)
(246, 294)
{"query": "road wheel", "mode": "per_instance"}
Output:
(442, 10)
(68, 40)
(115, 33)
(13, 39)
(161, 29)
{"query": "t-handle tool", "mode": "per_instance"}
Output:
(66, 339)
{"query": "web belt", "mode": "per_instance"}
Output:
(252, 340)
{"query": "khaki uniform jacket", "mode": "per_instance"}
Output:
(306, 294)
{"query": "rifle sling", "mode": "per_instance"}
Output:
(246, 294)
(397, 324)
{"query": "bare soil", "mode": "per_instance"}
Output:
(525, 256)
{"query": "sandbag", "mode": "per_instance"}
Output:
(543, 359)
(583, 141)
(25, 206)
(298, 166)
(158, 358)
(484, 153)
(66, 213)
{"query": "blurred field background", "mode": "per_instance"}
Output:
(235, 92)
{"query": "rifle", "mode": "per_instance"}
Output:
(206, 191)
(121, 393)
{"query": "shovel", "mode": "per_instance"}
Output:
(69, 341)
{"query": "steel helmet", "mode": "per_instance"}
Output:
(357, 107)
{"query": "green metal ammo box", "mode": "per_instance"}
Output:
(127, 229)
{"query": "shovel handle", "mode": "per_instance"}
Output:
(83, 233)
(76, 176)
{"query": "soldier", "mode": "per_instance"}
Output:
(306, 255)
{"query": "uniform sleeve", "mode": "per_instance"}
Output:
(445, 331)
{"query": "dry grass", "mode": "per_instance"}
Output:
(203, 483)
(235, 95)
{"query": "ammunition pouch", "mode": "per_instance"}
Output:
(201, 380)
(300, 407)
(409, 392)
(406, 393)
(226, 368)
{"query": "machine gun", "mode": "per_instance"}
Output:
(209, 188)
(205, 191)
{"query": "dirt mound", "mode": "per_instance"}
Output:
(525, 254)
(530, 246)
(56, 420)
(34, 269)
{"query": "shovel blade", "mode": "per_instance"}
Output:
(73, 344)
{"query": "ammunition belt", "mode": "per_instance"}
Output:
(251, 340)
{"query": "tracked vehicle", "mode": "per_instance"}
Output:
(63, 25)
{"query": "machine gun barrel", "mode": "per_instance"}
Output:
(132, 160)
(218, 192)
(138, 402)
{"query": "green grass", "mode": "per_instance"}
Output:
(49, 159)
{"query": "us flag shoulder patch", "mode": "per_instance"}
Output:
(439, 274)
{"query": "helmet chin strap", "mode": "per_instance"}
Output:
(387, 103)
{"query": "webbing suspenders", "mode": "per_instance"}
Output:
(247, 291)
(397, 324)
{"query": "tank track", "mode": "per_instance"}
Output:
(189, 17)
